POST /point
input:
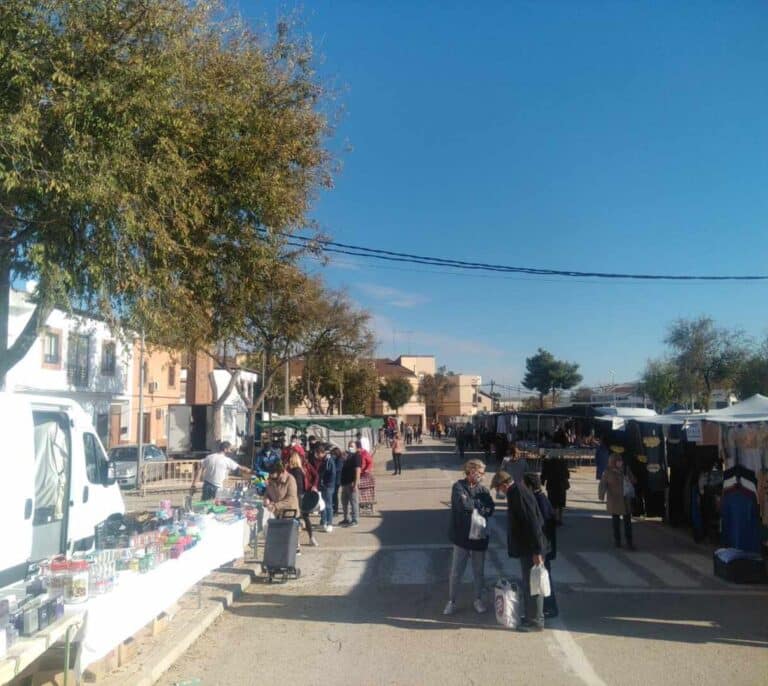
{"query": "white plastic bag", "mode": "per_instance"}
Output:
(478, 527)
(540, 584)
(320, 505)
(266, 515)
(506, 604)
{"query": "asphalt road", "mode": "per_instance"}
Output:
(368, 607)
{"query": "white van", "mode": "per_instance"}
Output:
(58, 483)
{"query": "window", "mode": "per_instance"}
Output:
(93, 458)
(77, 359)
(172, 375)
(52, 348)
(108, 358)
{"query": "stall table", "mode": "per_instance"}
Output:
(137, 599)
(27, 649)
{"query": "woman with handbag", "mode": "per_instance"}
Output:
(617, 489)
(304, 494)
(471, 505)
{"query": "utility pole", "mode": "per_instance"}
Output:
(141, 437)
(287, 402)
(493, 398)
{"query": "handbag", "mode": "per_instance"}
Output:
(478, 527)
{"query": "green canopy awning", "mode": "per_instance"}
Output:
(338, 423)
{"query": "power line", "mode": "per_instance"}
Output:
(392, 256)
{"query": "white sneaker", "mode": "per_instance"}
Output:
(450, 608)
(328, 528)
(313, 542)
(480, 606)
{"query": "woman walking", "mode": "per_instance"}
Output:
(616, 488)
(468, 496)
(397, 453)
(296, 470)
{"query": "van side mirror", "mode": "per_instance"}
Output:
(108, 477)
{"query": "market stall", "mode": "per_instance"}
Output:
(338, 429)
(139, 567)
(156, 589)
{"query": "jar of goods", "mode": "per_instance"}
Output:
(58, 577)
(77, 586)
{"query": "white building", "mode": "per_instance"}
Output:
(77, 358)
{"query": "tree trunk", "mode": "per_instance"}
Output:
(10, 356)
(234, 377)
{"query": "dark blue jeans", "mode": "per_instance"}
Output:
(326, 516)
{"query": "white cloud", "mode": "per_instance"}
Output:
(393, 296)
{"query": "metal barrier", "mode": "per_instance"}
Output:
(173, 475)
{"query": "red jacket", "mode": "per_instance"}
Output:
(311, 479)
(367, 461)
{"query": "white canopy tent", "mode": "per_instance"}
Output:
(754, 409)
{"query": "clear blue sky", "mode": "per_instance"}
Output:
(609, 136)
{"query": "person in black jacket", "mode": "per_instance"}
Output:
(555, 476)
(468, 495)
(526, 541)
(550, 531)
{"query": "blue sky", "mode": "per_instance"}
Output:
(606, 136)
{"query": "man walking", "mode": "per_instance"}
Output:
(525, 540)
(350, 485)
(215, 468)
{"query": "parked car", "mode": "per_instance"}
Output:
(126, 459)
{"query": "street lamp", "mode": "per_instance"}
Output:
(613, 385)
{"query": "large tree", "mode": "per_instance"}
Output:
(752, 376)
(147, 148)
(706, 356)
(396, 391)
(661, 383)
(546, 374)
(433, 389)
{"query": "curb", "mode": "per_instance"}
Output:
(220, 589)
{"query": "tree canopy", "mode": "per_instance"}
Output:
(705, 356)
(546, 374)
(396, 392)
(433, 389)
(154, 157)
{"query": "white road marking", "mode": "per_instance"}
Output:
(669, 574)
(698, 563)
(565, 572)
(351, 568)
(410, 567)
(676, 591)
(612, 570)
(572, 658)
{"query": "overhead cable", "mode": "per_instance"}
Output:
(393, 256)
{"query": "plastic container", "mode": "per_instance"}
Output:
(59, 577)
(77, 584)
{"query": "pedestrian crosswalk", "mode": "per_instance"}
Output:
(404, 566)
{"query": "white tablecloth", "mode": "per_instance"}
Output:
(138, 598)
